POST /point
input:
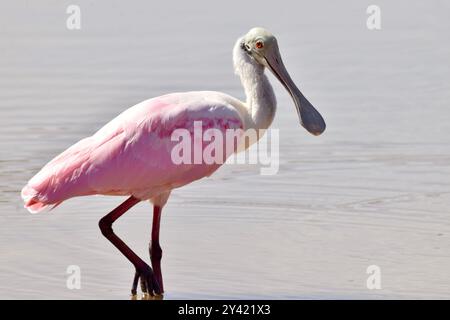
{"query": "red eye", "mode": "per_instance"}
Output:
(259, 44)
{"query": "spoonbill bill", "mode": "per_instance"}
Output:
(131, 155)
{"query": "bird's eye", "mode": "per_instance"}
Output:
(259, 44)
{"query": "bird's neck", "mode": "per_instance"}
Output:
(260, 98)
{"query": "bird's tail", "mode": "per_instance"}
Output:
(35, 203)
(60, 179)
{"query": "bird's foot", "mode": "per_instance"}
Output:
(149, 285)
(146, 296)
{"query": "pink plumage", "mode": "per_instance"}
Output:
(131, 155)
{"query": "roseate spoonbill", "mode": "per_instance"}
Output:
(131, 155)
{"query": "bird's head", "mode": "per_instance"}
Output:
(262, 46)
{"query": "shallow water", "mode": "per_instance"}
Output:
(374, 189)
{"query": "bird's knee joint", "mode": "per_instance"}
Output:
(105, 226)
(155, 251)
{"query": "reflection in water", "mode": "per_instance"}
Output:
(374, 189)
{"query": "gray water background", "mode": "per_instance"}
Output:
(374, 189)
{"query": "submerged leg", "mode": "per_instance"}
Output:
(143, 270)
(155, 248)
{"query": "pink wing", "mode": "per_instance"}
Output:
(131, 155)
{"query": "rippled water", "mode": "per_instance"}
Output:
(374, 189)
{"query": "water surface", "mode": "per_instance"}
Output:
(374, 189)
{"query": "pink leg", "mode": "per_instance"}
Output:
(143, 270)
(155, 248)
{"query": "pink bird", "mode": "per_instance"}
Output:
(132, 154)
